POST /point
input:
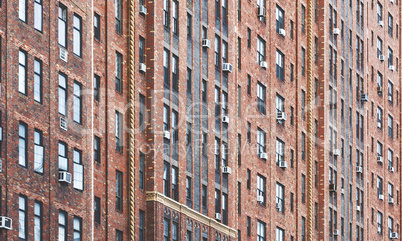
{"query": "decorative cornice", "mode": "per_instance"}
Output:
(152, 196)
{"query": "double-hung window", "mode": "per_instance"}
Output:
(62, 25)
(379, 117)
(62, 226)
(166, 13)
(390, 191)
(119, 131)
(38, 151)
(118, 71)
(97, 149)
(260, 142)
(379, 186)
(390, 126)
(379, 79)
(261, 188)
(379, 222)
(390, 91)
(63, 161)
(62, 94)
(78, 181)
(118, 15)
(142, 171)
(260, 231)
(22, 10)
(166, 69)
(390, 225)
(261, 5)
(119, 191)
(22, 72)
(260, 50)
(390, 24)
(22, 217)
(280, 197)
(280, 234)
(38, 13)
(279, 19)
(379, 12)
(279, 103)
(96, 87)
(188, 191)
(379, 47)
(175, 16)
(217, 52)
(261, 93)
(97, 210)
(175, 73)
(77, 102)
(390, 57)
(97, 26)
(22, 145)
(77, 35)
(280, 64)
(390, 159)
(77, 225)
(280, 151)
(38, 221)
(142, 50)
(38, 80)
(166, 179)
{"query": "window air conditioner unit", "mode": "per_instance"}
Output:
(281, 116)
(264, 64)
(358, 208)
(379, 89)
(63, 123)
(381, 197)
(337, 31)
(1, 133)
(282, 32)
(381, 23)
(393, 236)
(143, 9)
(283, 164)
(391, 67)
(225, 119)
(332, 187)
(63, 54)
(381, 57)
(260, 198)
(391, 169)
(336, 232)
(264, 155)
(166, 134)
(226, 170)
(364, 97)
(64, 177)
(227, 67)
(342, 191)
(218, 216)
(391, 200)
(206, 43)
(379, 159)
(6, 223)
(337, 152)
(359, 169)
(143, 67)
(261, 12)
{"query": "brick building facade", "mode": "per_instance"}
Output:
(200, 120)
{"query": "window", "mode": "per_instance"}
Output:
(175, 14)
(204, 91)
(97, 150)
(280, 234)
(141, 226)
(248, 37)
(261, 188)
(38, 152)
(379, 222)
(303, 229)
(175, 73)
(239, 52)
(77, 229)
(142, 171)
(119, 131)
(22, 72)
(22, 219)
(22, 150)
(62, 226)
(142, 50)
(379, 149)
(303, 147)
(97, 26)
(279, 103)
(303, 19)
(38, 221)
(379, 47)
(224, 52)
(303, 188)
(260, 142)
(279, 19)
(261, 4)
(390, 126)
(38, 80)
(390, 159)
(166, 179)
(78, 181)
(291, 29)
(119, 235)
(261, 93)
(62, 94)
(188, 191)
(280, 59)
(224, 12)
(119, 191)
(303, 61)
(166, 13)
(204, 198)
(63, 161)
(248, 226)
(118, 15)
(390, 57)
(37, 15)
(189, 25)
(175, 181)
(77, 102)
(77, 35)
(260, 231)
(118, 72)
(96, 87)
(217, 52)
(260, 50)
(390, 24)
(248, 179)
(390, 92)
(280, 197)
(379, 12)
(142, 113)
(280, 151)
(22, 13)
(390, 191)
(166, 229)
(248, 132)
(379, 186)
(175, 134)
(62, 25)
(379, 117)
(248, 84)
(97, 210)
(390, 225)
(379, 80)
(291, 201)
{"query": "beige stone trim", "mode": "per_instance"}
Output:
(152, 196)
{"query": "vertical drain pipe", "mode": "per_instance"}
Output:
(310, 119)
(131, 99)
